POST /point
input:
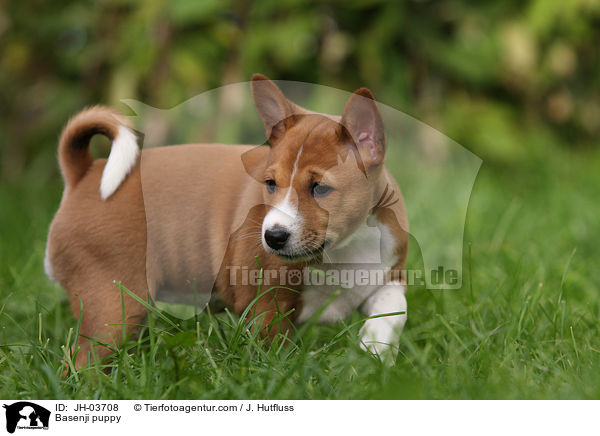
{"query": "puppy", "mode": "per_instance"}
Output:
(317, 204)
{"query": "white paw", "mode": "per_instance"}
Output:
(380, 336)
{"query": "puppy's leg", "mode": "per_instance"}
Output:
(102, 317)
(273, 313)
(380, 335)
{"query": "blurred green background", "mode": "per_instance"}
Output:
(504, 79)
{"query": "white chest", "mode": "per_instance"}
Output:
(353, 271)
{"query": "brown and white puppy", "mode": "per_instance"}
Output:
(319, 195)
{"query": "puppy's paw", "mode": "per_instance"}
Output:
(380, 337)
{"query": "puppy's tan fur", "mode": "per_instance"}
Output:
(205, 199)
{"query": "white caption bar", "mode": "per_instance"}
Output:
(297, 417)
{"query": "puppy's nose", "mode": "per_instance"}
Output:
(276, 238)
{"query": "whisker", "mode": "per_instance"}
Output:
(241, 238)
(250, 233)
(253, 247)
(255, 222)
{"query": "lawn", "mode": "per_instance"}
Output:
(524, 325)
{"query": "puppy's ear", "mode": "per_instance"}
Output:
(363, 122)
(275, 110)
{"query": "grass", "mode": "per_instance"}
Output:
(524, 325)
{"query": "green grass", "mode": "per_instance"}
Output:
(525, 324)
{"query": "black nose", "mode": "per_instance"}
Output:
(276, 238)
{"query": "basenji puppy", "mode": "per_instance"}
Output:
(316, 198)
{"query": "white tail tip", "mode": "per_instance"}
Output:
(121, 160)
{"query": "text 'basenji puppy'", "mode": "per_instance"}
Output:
(316, 206)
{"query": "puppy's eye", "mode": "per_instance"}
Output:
(318, 190)
(271, 186)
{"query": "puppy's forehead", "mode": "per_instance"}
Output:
(314, 140)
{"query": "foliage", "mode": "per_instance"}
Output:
(501, 78)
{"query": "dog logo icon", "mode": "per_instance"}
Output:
(26, 415)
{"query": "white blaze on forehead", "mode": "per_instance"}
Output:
(285, 214)
(295, 168)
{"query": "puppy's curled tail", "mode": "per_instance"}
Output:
(74, 154)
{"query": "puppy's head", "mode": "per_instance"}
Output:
(320, 173)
